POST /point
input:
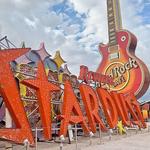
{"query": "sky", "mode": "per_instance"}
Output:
(75, 27)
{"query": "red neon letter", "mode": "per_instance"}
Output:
(121, 108)
(134, 109)
(43, 89)
(71, 105)
(11, 96)
(91, 105)
(108, 107)
(83, 73)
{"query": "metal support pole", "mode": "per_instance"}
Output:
(126, 129)
(100, 134)
(91, 135)
(70, 133)
(117, 131)
(61, 140)
(26, 144)
(27, 147)
(126, 133)
(148, 128)
(61, 145)
(140, 129)
(36, 139)
(110, 134)
(136, 130)
(8, 119)
(76, 138)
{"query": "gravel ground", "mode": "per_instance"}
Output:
(132, 141)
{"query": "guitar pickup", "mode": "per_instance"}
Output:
(113, 56)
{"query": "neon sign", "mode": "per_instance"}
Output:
(90, 76)
(120, 73)
(114, 105)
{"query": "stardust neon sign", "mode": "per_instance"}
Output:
(114, 105)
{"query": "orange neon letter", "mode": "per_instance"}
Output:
(71, 106)
(121, 108)
(108, 106)
(133, 106)
(11, 97)
(43, 88)
(91, 105)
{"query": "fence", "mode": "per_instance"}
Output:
(77, 141)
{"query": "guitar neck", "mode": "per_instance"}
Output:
(114, 20)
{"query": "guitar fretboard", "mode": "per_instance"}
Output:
(114, 20)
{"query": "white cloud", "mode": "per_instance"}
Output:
(72, 29)
(30, 22)
(33, 21)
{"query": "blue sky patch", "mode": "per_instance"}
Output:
(73, 17)
(145, 13)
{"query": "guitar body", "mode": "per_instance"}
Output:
(129, 73)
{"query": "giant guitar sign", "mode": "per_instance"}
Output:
(120, 69)
(130, 74)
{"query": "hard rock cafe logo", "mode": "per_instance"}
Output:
(120, 72)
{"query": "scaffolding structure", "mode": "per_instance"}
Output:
(6, 44)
